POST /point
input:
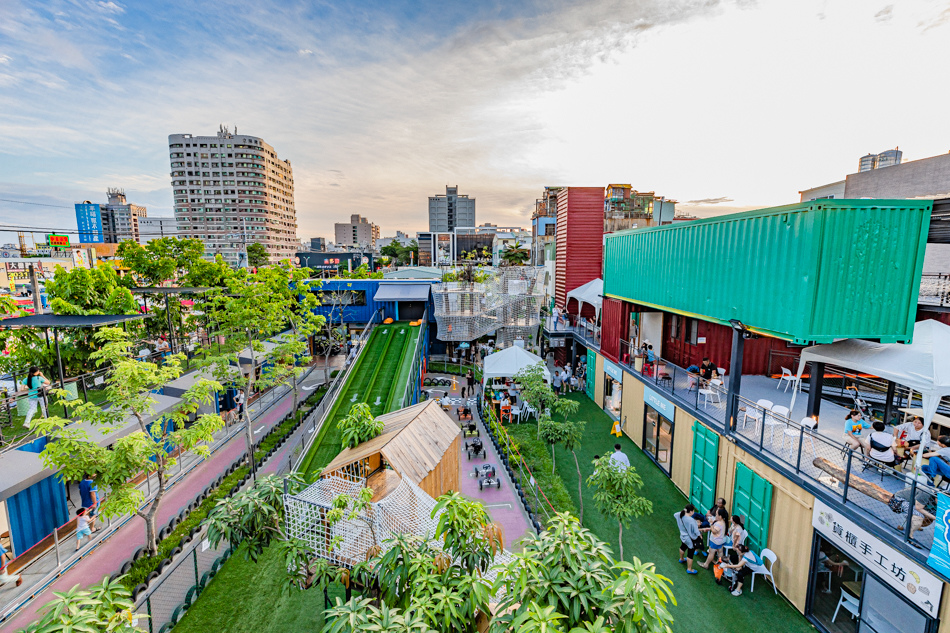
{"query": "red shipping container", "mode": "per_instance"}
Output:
(580, 242)
(613, 317)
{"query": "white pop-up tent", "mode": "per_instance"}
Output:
(508, 362)
(590, 293)
(923, 365)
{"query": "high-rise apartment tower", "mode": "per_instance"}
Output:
(230, 190)
(451, 210)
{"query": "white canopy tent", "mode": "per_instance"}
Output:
(509, 361)
(590, 293)
(923, 365)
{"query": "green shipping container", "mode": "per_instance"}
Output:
(810, 272)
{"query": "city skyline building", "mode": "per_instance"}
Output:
(359, 232)
(451, 210)
(232, 190)
(156, 228)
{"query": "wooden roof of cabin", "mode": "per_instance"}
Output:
(413, 441)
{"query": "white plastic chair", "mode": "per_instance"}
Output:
(791, 434)
(789, 378)
(768, 556)
(778, 416)
(728, 546)
(711, 392)
(756, 414)
(850, 604)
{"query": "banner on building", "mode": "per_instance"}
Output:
(939, 557)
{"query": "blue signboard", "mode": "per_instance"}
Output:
(89, 219)
(939, 558)
(613, 370)
(663, 406)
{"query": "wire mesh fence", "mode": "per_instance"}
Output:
(168, 598)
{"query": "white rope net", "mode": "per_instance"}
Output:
(507, 303)
(406, 510)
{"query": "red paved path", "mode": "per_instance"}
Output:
(111, 553)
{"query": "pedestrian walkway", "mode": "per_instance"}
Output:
(503, 504)
(110, 549)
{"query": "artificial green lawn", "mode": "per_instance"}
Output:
(247, 597)
(702, 606)
(381, 372)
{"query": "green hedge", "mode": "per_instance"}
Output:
(537, 455)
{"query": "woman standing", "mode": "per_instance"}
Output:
(690, 537)
(35, 382)
(717, 536)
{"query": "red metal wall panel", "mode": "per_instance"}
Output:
(580, 239)
(611, 323)
(923, 315)
(760, 356)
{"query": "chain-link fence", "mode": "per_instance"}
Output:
(168, 598)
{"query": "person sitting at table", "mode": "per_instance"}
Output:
(911, 435)
(939, 459)
(505, 400)
(879, 446)
(707, 369)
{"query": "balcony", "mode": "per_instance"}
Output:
(934, 290)
(820, 461)
(585, 331)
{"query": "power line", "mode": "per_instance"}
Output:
(38, 204)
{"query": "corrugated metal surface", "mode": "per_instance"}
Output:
(580, 231)
(611, 323)
(362, 313)
(810, 272)
(765, 355)
(34, 512)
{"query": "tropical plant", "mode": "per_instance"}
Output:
(616, 493)
(254, 516)
(552, 432)
(361, 616)
(74, 450)
(257, 255)
(467, 532)
(359, 425)
(566, 580)
(103, 608)
(515, 255)
(571, 439)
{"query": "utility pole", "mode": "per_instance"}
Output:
(37, 303)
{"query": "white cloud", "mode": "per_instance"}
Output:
(303, 52)
(109, 7)
(5, 59)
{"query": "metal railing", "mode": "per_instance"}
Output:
(317, 417)
(934, 290)
(414, 379)
(799, 452)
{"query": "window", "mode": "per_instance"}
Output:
(693, 332)
(674, 326)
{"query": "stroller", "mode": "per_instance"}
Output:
(860, 404)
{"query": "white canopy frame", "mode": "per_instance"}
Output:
(509, 361)
(591, 293)
(923, 366)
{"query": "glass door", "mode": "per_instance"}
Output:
(658, 438)
(882, 612)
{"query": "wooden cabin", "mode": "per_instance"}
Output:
(420, 442)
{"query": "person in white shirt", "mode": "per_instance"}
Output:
(557, 316)
(913, 434)
(879, 446)
(618, 458)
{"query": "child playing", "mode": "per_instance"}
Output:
(82, 527)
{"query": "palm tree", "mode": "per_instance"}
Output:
(515, 255)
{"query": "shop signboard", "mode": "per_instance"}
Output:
(613, 370)
(57, 240)
(905, 576)
(939, 557)
(663, 406)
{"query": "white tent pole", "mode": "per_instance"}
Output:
(801, 370)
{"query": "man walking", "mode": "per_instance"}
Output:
(619, 458)
(89, 498)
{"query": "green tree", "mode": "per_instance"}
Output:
(163, 260)
(256, 255)
(103, 608)
(359, 426)
(515, 255)
(255, 307)
(74, 451)
(536, 391)
(552, 432)
(569, 433)
(89, 291)
(617, 493)
(565, 579)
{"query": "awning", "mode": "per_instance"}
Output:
(402, 292)
(68, 320)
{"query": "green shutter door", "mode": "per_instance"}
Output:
(753, 501)
(702, 482)
(591, 370)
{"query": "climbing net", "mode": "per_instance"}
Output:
(506, 302)
(406, 510)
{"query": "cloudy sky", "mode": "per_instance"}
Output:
(721, 105)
